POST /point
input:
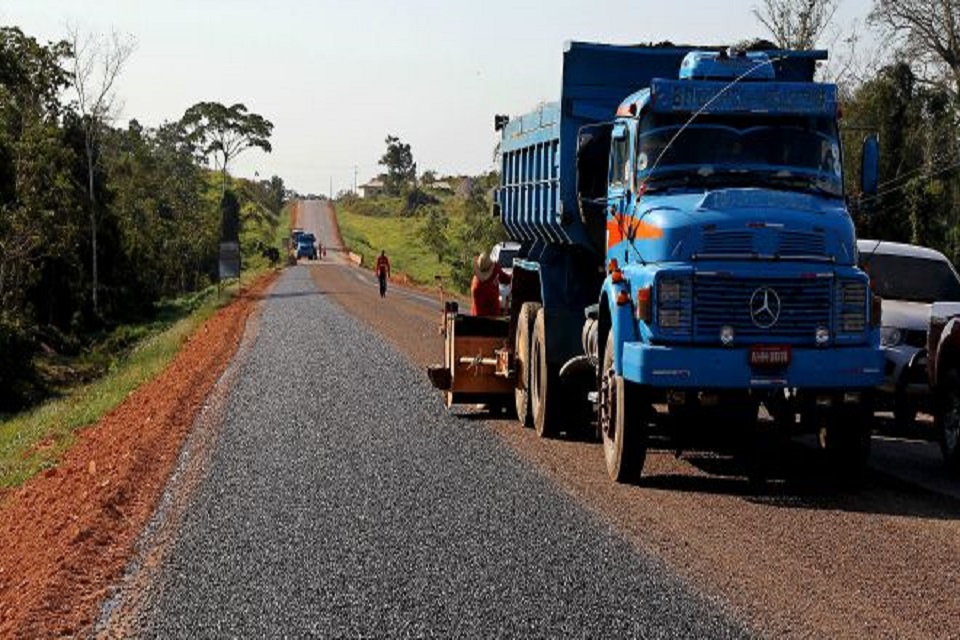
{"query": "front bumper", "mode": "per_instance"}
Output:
(673, 367)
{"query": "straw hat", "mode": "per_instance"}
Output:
(483, 266)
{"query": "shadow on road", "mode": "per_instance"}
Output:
(806, 480)
(799, 477)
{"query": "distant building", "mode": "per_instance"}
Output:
(440, 186)
(371, 189)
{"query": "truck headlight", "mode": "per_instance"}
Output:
(669, 292)
(890, 336)
(674, 297)
(669, 318)
(852, 302)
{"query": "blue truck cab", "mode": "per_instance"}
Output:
(687, 242)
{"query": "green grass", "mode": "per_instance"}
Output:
(368, 235)
(36, 439)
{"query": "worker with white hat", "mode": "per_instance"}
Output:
(485, 290)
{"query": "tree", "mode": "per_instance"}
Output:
(479, 231)
(36, 189)
(223, 133)
(796, 24)
(929, 29)
(97, 63)
(434, 232)
(401, 170)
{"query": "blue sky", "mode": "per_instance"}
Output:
(336, 76)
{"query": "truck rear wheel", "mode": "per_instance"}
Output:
(623, 416)
(948, 420)
(521, 393)
(546, 398)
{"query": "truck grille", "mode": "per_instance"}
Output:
(720, 243)
(799, 243)
(787, 244)
(722, 300)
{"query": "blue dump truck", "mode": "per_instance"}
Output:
(688, 255)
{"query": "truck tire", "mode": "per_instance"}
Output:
(546, 396)
(622, 416)
(948, 420)
(521, 393)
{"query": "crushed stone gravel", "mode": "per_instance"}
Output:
(343, 500)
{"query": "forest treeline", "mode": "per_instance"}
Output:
(69, 178)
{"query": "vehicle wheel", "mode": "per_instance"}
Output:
(521, 394)
(845, 437)
(948, 417)
(546, 396)
(624, 447)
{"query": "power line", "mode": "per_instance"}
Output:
(925, 176)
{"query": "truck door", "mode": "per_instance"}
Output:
(593, 158)
(620, 170)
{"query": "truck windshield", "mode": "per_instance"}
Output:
(782, 152)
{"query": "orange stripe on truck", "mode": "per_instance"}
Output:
(618, 229)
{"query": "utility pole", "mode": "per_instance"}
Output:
(355, 169)
(331, 187)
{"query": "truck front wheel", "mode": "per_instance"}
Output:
(521, 393)
(623, 417)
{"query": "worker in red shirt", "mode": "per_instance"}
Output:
(485, 289)
(383, 272)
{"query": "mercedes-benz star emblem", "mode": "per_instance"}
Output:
(764, 307)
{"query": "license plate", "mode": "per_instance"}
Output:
(770, 356)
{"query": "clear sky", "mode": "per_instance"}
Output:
(336, 76)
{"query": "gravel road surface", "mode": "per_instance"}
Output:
(342, 500)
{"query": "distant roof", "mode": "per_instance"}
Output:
(887, 248)
(373, 184)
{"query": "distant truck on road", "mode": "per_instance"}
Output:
(686, 243)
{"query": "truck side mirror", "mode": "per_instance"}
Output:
(870, 165)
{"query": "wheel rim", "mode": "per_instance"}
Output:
(951, 423)
(535, 373)
(608, 404)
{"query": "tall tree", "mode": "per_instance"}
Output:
(97, 64)
(223, 132)
(796, 24)
(36, 191)
(401, 169)
(929, 29)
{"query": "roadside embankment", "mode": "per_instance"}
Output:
(66, 534)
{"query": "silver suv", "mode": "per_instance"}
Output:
(909, 279)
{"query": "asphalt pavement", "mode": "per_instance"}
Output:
(341, 499)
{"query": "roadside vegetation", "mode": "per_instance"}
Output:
(129, 356)
(428, 225)
(108, 231)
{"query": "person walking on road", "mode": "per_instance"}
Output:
(383, 272)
